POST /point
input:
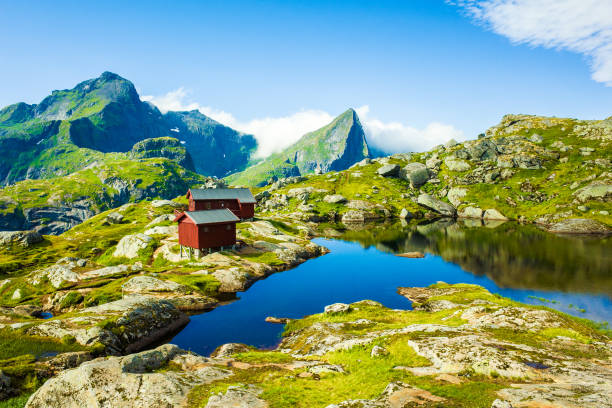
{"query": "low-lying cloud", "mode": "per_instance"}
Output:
(274, 134)
(582, 26)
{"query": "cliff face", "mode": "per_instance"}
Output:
(334, 147)
(73, 128)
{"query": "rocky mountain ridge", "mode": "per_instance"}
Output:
(334, 147)
(70, 129)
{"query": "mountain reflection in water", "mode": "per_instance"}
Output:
(512, 255)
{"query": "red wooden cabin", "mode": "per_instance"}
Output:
(240, 201)
(207, 229)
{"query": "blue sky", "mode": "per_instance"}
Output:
(408, 65)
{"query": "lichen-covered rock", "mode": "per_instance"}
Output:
(162, 230)
(455, 164)
(232, 279)
(56, 275)
(493, 214)
(148, 284)
(238, 397)
(163, 203)
(595, 191)
(396, 395)
(436, 205)
(416, 173)
(114, 218)
(142, 319)
(470, 212)
(22, 238)
(130, 245)
(455, 195)
(228, 349)
(389, 170)
(334, 199)
(337, 308)
(579, 226)
(130, 381)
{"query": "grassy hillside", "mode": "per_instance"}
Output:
(528, 168)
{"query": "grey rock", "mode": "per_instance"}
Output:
(389, 170)
(130, 381)
(163, 203)
(470, 212)
(416, 173)
(130, 245)
(455, 195)
(162, 230)
(378, 351)
(579, 226)
(5, 386)
(337, 308)
(114, 218)
(454, 164)
(500, 403)
(405, 214)
(238, 397)
(535, 138)
(436, 205)
(493, 214)
(56, 274)
(22, 238)
(595, 191)
(229, 349)
(149, 284)
(232, 280)
(334, 199)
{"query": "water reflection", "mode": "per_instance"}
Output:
(512, 255)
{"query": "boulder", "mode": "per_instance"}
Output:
(131, 381)
(455, 195)
(142, 319)
(229, 349)
(493, 214)
(389, 170)
(455, 164)
(238, 396)
(358, 216)
(111, 270)
(378, 351)
(579, 226)
(337, 308)
(56, 275)
(232, 279)
(114, 218)
(149, 284)
(162, 230)
(5, 386)
(436, 205)
(130, 245)
(416, 173)
(405, 214)
(334, 199)
(594, 192)
(470, 212)
(163, 203)
(22, 238)
(160, 219)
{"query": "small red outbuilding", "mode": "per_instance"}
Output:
(207, 229)
(240, 201)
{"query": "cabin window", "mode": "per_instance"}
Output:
(222, 204)
(228, 227)
(205, 229)
(208, 206)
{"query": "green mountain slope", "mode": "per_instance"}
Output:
(528, 168)
(73, 128)
(334, 147)
(55, 205)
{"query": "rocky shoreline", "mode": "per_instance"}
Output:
(459, 346)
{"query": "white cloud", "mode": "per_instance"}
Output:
(582, 26)
(273, 134)
(398, 137)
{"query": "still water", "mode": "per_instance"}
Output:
(520, 262)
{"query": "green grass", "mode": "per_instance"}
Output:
(14, 343)
(205, 284)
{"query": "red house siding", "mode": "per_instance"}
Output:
(206, 236)
(240, 210)
(246, 210)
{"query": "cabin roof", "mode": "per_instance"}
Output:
(212, 216)
(244, 195)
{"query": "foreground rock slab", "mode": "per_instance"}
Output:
(130, 381)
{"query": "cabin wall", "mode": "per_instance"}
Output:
(200, 205)
(188, 233)
(214, 236)
(246, 211)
